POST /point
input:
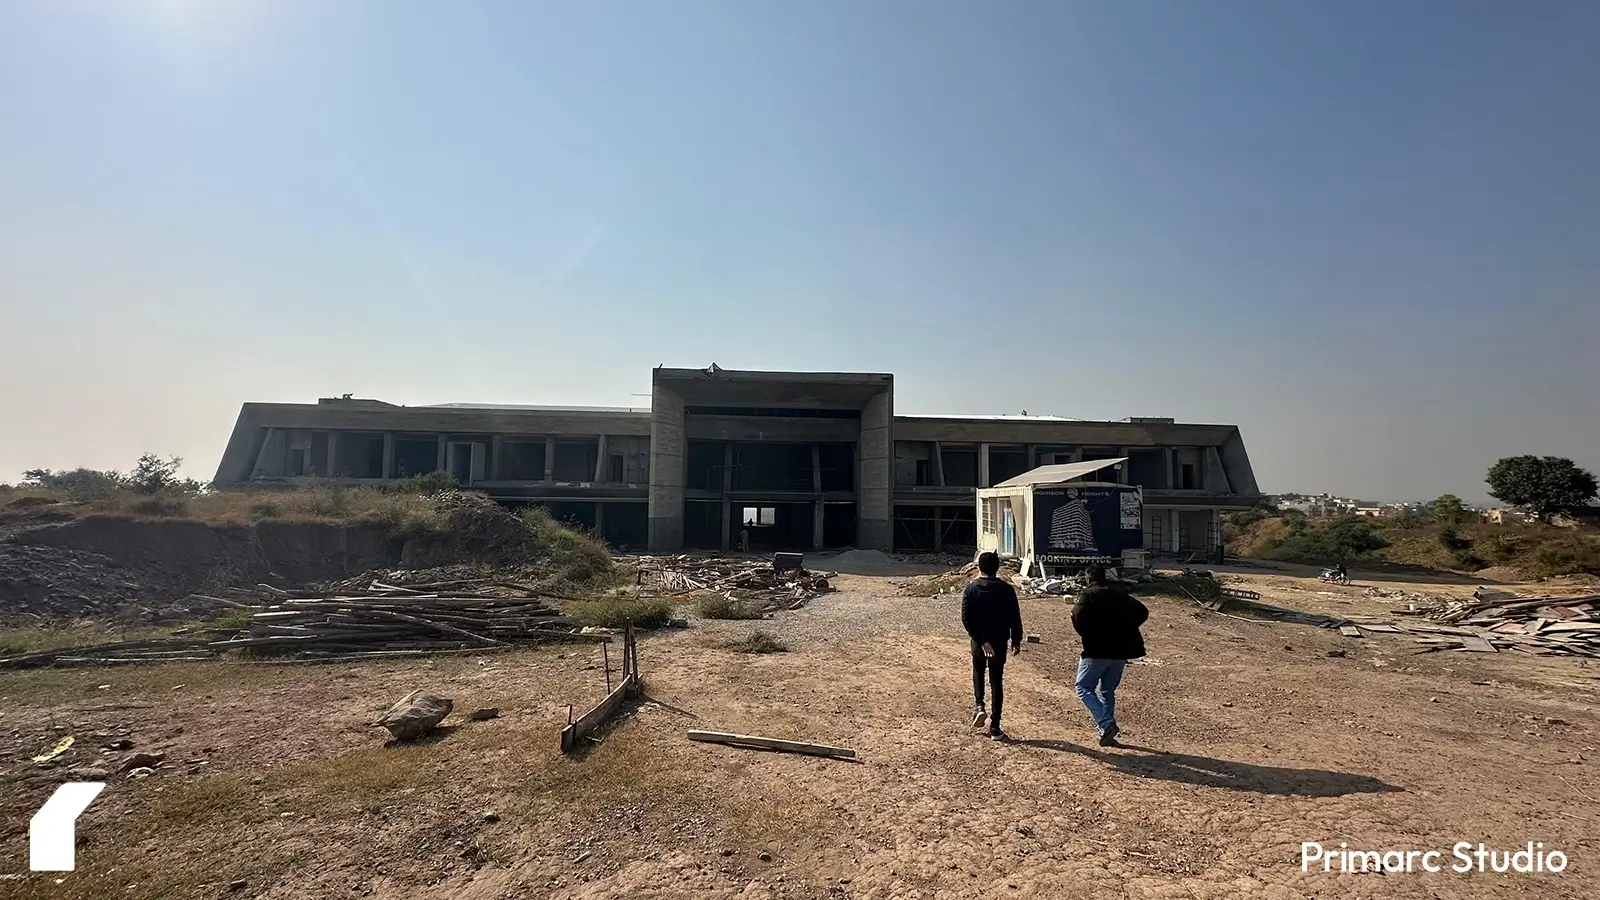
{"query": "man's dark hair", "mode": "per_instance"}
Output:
(1095, 574)
(989, 563)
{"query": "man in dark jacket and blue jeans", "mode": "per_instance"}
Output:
(1108, 619)
(992, 616)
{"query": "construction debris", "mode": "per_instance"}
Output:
(743, 580)
(632, 685)
(351, 619)
(1542, 626)
(766, 743)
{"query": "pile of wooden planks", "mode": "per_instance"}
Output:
(353, 619)
(391, 620)
(1542, 626)
(746, 580)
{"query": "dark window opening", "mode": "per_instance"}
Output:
(617, 470)
(1187, 482)
(705, 464)
(297, 461)
(522, 461)
(1006, 464)
(415, 456)
(838, 464)
(924, 472)
(960, 468)
(772, 467)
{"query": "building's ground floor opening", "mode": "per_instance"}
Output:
(1182, 531)
(765, 526)
(935, 529)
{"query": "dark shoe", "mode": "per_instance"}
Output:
(996, 734)
(1108, 738)
(978, 715)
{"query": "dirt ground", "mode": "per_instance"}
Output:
(1246, 740)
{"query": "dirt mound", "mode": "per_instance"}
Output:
(99, 564)
(862, 562)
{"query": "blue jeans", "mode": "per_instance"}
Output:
(1104, 675)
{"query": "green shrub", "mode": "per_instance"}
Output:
(721, 606)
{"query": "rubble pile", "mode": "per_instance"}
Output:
(1542, 626)
(745, 580)
(38, 582)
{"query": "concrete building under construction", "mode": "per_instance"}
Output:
(793, 460)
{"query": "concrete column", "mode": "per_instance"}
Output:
(816, 524)
(496, 450)
(600, 520)
(983, 466)
(1174, 540)
(1214, 539)
(938, 465)
(388, 455)
(727, 525)
(439, 462)
(1171, 479)
(666, 471)
(333, 454)
(816, 470)
(938, 528)
(600, 467)
(875, 481)
(727, 467)
(549, 459)
(1032, 459)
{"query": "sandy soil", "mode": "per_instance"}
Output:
(1247, 739)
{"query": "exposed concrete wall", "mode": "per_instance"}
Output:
(1216, 476)
(667, 447)
(1191, 457)
(746, 430)
(875, 485)
(1241, 477)
(906, 456)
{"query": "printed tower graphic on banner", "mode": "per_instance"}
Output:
(1070, 528)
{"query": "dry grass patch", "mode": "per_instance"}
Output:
(756, 642)
(617, 611)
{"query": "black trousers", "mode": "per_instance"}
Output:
(996, 666)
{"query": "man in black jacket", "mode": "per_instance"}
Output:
(1108, 619)
(992, 616)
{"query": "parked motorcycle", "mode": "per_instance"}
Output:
(1334, 576)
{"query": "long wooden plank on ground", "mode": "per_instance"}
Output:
(592, 719)
(766, 743)
(1477, 644)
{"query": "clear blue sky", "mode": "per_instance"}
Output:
(1368, 233)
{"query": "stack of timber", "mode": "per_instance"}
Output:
(352, 619)
(746, 580)
(392, 620)
(1542, 626)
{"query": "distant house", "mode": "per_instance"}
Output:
(1375, 512)
(1576, 516)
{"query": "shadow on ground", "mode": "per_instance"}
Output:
(1146, 762)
